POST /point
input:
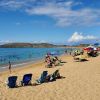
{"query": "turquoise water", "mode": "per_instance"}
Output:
(20, 55)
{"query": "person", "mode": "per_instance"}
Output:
(56, 61)
(70, 53)
(48, 61)
(65, 51)
(9, 66)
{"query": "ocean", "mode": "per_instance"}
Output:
(20, 56)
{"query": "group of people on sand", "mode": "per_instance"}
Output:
(78, 52)
(83, 54)
(52, 61)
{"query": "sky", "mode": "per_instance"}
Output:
(51, 21)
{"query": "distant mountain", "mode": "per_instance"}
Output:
(29, 45)
(82, 45)
(37, 45)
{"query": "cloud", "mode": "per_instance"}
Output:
(77, 37)
(41, 41)
(13, 4)
(59, 10)
(66, 16)
(4, 42)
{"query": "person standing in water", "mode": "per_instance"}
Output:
(9, 66)
(66, 51)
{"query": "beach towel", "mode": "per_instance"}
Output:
(26, 79)
(12, 81)
(43, 76)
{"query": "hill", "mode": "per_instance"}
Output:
(29, 45)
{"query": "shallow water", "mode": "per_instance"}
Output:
(22, 55)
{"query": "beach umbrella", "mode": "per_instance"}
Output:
(88, 48)
(96, 44)
(54, 53)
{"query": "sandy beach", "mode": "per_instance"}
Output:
(81, 82)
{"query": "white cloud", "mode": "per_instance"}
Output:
(11, 4)
(65, 16)
(77, 37)
(41, 41)
(16, 4)
(61, 12)
(4, 42)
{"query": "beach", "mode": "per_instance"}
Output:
(81, 81)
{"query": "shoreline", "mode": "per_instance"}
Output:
(20, 64)
(20, 59)
(26, 65)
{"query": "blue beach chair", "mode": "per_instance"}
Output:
(42, 79)
(26, 79)
(12, 81)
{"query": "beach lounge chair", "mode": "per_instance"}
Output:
(55, 75)
(12, 81)
(43, 77)
(26, 80)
